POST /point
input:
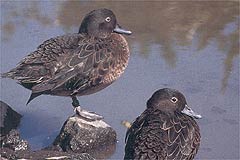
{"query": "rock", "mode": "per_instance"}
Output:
(9, 119)
(9, 136)
(9, 154)
(79, 139)
(80, 135)
(13, 141)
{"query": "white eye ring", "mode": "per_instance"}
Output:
(108, 19)
(174, 99)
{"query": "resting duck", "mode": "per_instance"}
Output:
(76, 64)
(165, 130)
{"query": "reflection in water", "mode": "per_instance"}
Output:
(30, 11)
(162, 23)
(158, 27)
(167, 23)
(232, 52)
(8, 28)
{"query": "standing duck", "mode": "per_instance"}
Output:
(76, 64)
(165, 130)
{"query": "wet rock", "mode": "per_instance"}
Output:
(9, 154)
(9, 119)
(80, 135)
(9, 136)
(13, 141)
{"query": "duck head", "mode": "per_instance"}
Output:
(171, 101)
(101, 23)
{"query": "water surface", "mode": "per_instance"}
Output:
(189, 46)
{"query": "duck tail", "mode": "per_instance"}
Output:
(7, 75)
(33, 95)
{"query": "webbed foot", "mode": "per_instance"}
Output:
(92, 116)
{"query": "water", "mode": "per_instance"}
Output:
(189, 46)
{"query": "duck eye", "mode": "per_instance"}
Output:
(108, 19)
(174, 99)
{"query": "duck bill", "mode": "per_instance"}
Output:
(188, 111)
(120, 30)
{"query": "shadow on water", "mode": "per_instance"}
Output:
(200, 29)
(165, 23)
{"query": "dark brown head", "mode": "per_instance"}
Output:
(101, 23)
(170, 101)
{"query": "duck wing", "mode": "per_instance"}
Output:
(42, 64)
(159, 137)
(131, 139)
(70, 62)
(182, 137)
(83, 67)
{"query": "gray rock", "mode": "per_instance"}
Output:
(9, 136)
(9, 119)
(80, 135)
(77, 139)
(13, 141)
(9, 154)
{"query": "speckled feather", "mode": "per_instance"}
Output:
(76, 64)
(158, 135)
(73, 64)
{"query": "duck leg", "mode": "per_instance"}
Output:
(92, 116)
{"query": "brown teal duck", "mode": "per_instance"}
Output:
(165, 130)
(76, 64)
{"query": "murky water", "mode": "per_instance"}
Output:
(192, 47)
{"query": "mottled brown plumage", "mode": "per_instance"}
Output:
(76, 64)
(164, 131)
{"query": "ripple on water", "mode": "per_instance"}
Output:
(204, 121)
(218, 110)
(231, 121)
